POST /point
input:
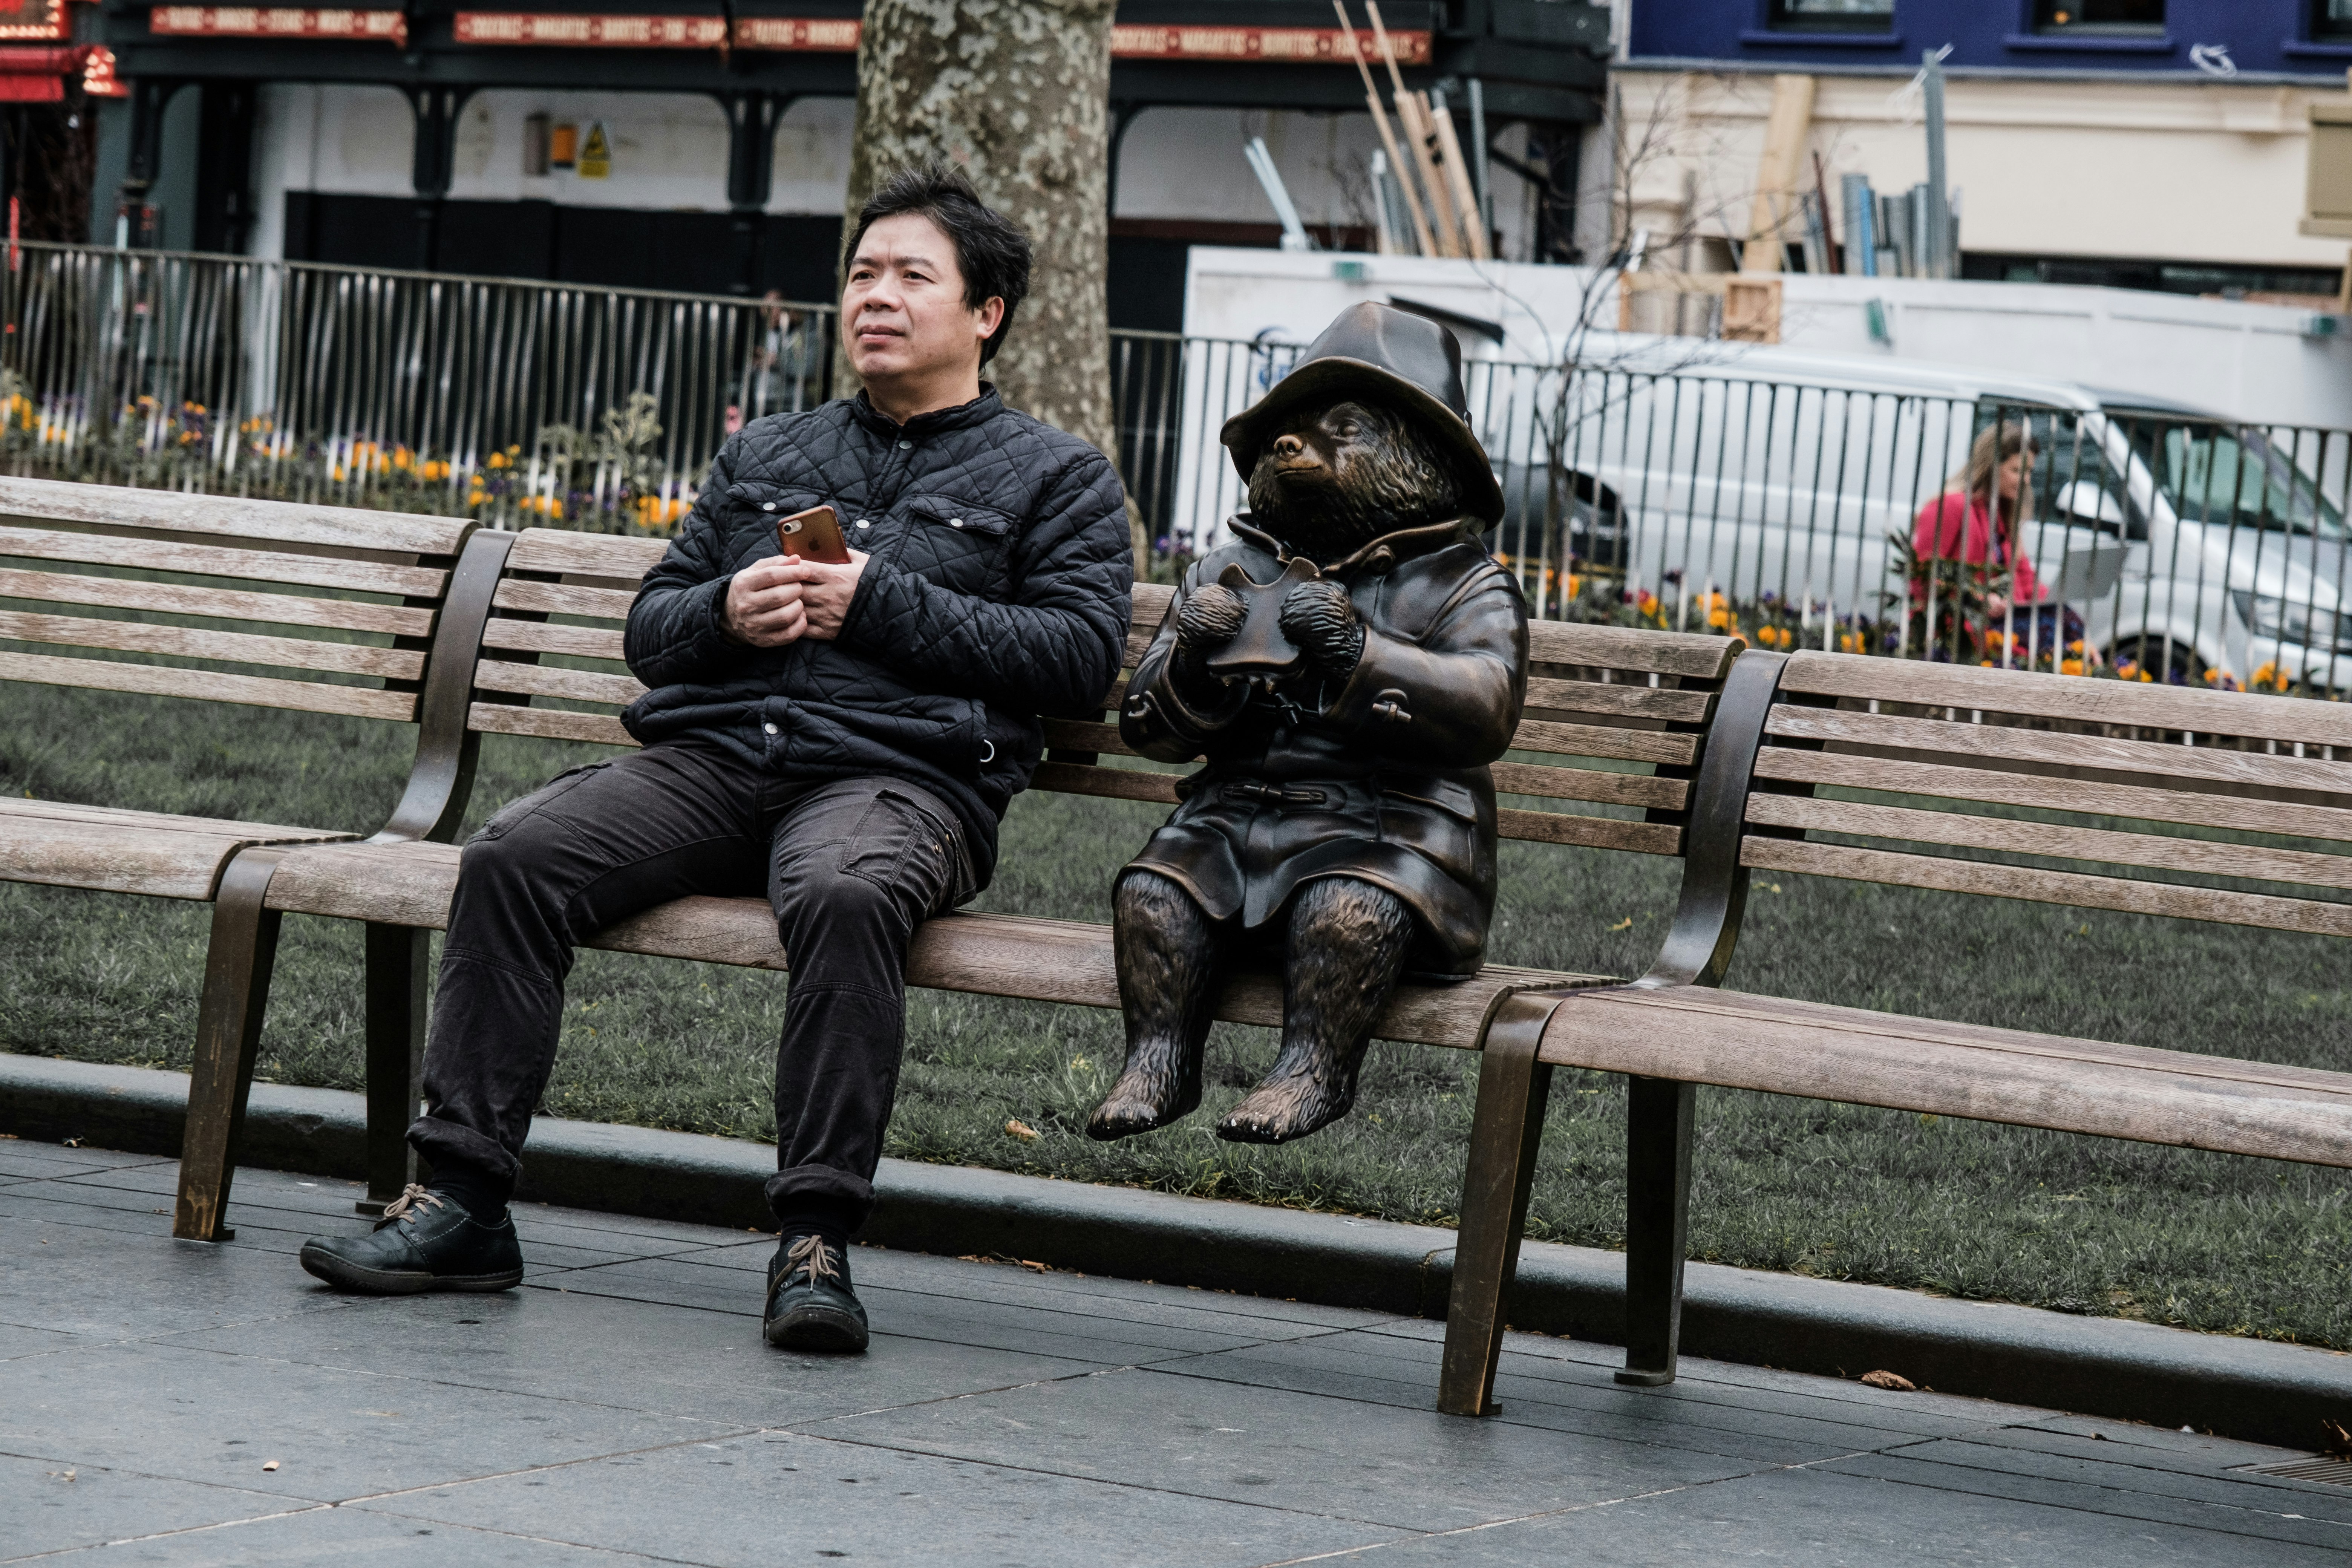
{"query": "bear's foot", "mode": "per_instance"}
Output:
(1296, 1098)
(1155, 1090)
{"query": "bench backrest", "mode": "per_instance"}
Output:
(2100, 794)
(1598, 695)
(126, 590)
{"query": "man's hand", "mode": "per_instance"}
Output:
(785, 598)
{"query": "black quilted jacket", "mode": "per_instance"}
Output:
(997, 591)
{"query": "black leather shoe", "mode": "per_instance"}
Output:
(810, 1306)
(425, 1242)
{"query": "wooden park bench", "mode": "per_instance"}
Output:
(108, 588)
(2095, 794)
(1613, 717)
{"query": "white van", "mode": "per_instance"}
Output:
(2183, 540)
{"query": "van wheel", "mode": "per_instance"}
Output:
(2173, 663)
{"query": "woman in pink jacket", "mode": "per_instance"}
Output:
(1975, 520)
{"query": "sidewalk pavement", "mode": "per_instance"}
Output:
(169, 1402)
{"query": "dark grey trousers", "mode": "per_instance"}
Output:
(850, 867)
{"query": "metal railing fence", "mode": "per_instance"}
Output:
(513, 400)
(1691, 495)
(2132, 541)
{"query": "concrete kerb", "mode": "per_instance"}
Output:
(2250, 1389)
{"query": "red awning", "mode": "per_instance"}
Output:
(38, 75)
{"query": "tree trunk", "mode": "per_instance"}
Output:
(1016, 93)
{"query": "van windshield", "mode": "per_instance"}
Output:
(2212, 474)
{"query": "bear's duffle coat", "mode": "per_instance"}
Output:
(1383, 777)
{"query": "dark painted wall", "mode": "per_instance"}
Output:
(623, 247)
(627, 247)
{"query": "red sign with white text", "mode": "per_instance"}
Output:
(547, 29)
(278, 22)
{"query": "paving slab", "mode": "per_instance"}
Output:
(786, 1497)
(620, 1408)
(1412, 1469)
(126, 1280)
(331, 1433)
(49, 1505)
(597, 1350)
(1596, 1406)
(1812, 1519)
(2223, 1505)
(321, 1534)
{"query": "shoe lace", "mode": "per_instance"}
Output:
(412, 1199)
(810, 1253)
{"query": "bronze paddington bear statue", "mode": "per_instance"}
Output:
(1346, 670)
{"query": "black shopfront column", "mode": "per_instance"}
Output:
(436, 110)
(149, 96)
(752, 119)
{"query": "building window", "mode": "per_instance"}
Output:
(2331, 18)
(2126, 16)
(1841, 15)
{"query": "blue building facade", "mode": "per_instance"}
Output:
(2063, 113)
(2301, 40)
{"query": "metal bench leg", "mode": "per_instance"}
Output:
(238, 964)
(396, 976)
(1507, 1128)
(1657, 1225)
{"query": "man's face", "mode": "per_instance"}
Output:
(902, 309)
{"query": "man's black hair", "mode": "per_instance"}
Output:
(991, 252)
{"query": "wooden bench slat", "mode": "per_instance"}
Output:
(171, 681)
(2075, 888)
(1592, 832)
(2005, 743)
(547, 681)
(1626, 648)
(1034, 960)
(2159, 851)
(1540, 826)
(1857, 1058)
(1672, 704)
(1746, 1007)
(1081, 735)
(223, 604)
(1533, 735)
(1602, 740)
(114, 858)
(164, 821)
(548, 723)
(237, 517)
(1111, 783)
(1591, 783)
(2092, 700)
(219, 561)
(542, 636)
(236, 647)
(1893, 775)
(564, 599)
(609, 555)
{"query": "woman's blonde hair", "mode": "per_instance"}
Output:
(1996, 444)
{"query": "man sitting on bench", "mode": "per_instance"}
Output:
(841, 738)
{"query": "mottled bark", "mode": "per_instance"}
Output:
(1016, 93)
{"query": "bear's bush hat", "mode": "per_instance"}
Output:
(1408, 361)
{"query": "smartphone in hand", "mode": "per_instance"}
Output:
(814, 535)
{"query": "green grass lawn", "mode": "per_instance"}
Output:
(2083, 1225)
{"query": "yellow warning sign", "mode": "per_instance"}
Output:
(596, 153)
